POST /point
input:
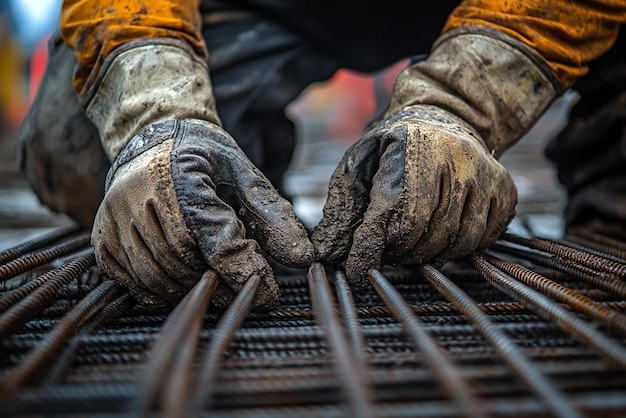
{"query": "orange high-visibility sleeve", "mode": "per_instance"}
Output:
(94, 28)
(568, 34)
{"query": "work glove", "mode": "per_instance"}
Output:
(424, 183)
(179, 184)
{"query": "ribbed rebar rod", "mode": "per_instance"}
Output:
(36, 243)
(577, 243)
(223, 335)
(43, 296)
(581, 257)
(444, 370)
(67, 272)
(36, 360)
(349, 370)
(600, 239)
(108, 313)
(58, 399)
(178, 385)
(600, 280)
(181, 324)
(290, 335)
(350, 318)
(550, 310)
(615, 320)
(41, 257)
(509, 352)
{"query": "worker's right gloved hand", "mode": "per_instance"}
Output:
(179, 184)
(424, 183)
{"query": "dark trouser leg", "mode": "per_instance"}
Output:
(590, 153)
(61, 153)
(257, 68)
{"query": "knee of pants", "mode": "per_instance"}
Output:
(61, 153)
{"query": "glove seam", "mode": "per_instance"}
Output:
(141, 143)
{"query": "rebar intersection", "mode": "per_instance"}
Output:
(530, 327)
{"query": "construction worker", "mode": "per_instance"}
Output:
(185, 102)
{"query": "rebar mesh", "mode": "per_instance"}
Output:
(530, 327)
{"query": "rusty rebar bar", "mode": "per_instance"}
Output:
(509, 352)
(166, 361)
(107, 314)
(578, 243)
(348, 369)
(550, 310)
(600, 280)
(448, 374)
(350, 317)
(34, 244)
(43, 296)
(66, 273)
(36, 360)
(603, 240)
(223, 335)
(280, 362)
(615, 320)
(578, 256)
(35, 259)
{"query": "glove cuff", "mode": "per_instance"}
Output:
(495, 83)
(146, 82)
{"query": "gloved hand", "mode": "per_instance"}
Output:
(424, 183)
(176, 189)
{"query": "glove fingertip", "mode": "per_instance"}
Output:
(240, 264)
(268, 295)
(330, 242)
(366, 252)
(289, 244)
(300, 254)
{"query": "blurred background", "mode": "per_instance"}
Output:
(329, 117)
(25, 26)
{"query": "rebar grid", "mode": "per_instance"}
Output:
(496, 333)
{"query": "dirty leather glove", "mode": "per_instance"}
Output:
(424, 184)
(179, 184)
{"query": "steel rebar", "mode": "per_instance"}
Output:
(63, 274)
(282, 363)
(224, 332)
(59, 336)
(580, 244)
(600, 280)
(43, 296)
(166, 355)
(34, 244)
(603, 240)
(350, 317)
(444, 370)
(578, 256)
(509, 352)
(349, 370)
(550, 310)
(615, 320)
(108, 313)
(35, 259)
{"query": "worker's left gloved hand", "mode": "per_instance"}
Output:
(179, 187)
(424, 184)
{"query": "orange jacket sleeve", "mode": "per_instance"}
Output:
(94, 28)
(568, 34)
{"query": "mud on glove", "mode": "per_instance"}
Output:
(424, 183)
(179, 184)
